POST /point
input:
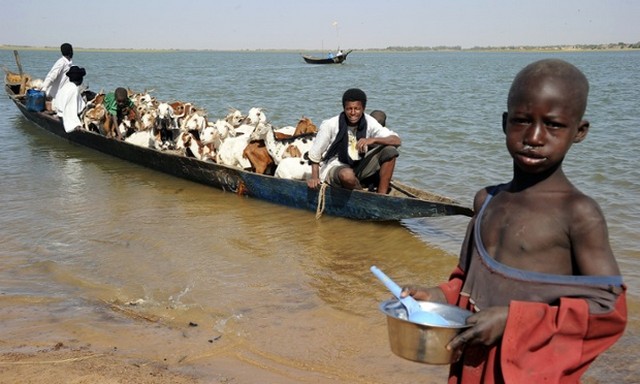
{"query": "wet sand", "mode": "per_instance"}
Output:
(116, 345)
(68, 365)
(38, 347)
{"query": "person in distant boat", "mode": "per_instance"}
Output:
(118, 104)
(330, 55)
(69, 102)
(536, 267)
(56, 78)
(339, 53)
(352, 150)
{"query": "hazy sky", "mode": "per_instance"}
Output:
(318, 24)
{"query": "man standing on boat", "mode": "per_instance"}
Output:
(56, 78)
(353, 150)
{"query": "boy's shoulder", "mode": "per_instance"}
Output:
(583, 206)
(482, 195)
(574, 203)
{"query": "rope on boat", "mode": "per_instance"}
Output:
(320, 207)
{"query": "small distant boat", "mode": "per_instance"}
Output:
(337, 59)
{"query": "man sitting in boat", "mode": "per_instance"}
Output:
(117, 104)
(353, 149)
(69, 102)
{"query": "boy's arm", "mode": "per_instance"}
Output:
(557, 342)
(590, 239)
(451, 289)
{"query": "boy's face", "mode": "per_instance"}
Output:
(542, 122)
(121, 102)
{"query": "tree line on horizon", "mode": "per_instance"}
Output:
(583, 47)
(587, 47)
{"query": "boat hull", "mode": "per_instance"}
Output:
(318, 60)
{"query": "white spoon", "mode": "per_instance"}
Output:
(414, 311)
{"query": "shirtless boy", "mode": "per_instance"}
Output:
(536, 267)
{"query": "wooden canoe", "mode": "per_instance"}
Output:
(402, 203)
(326, 60)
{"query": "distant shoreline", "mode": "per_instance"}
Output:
(551, 48)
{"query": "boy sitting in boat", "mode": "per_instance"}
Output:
(118, 105)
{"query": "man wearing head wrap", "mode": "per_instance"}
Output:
(56, 78)
(352, 150)
(69, 103)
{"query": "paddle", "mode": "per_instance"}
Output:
(18, 63)
(414, 311)
(23, 78)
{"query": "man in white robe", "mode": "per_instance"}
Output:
(56, 79)
(69, 103)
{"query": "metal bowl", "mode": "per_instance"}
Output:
(420, 342)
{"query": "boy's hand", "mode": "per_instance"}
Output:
(433, 294)
(487, 328)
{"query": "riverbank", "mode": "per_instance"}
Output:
(62, 364)
(107, 345)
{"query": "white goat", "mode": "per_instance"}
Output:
(192, 147)
(195, 121)
(234, 117)
(231, 149)
(148, 139)
(214, 134)
(293, 168)
(280, 149)
(256, 115)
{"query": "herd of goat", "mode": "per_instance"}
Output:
(248, 142)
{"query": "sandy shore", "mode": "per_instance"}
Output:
(36, 347)
(62, 364)
(39, 347)
(85, 365)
